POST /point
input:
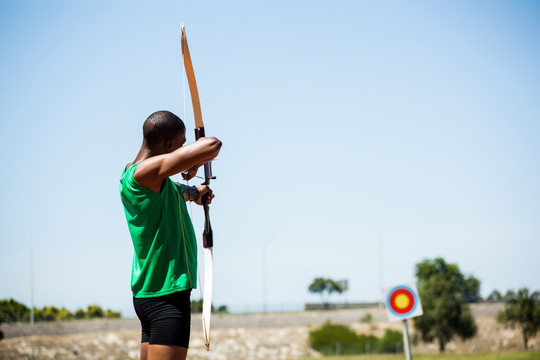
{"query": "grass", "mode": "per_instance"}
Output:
(491, 356)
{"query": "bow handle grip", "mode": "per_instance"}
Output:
(208, 235)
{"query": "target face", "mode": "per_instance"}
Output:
(402, 302)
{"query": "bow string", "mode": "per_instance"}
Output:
(208, 241)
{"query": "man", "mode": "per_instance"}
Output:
(164, 268)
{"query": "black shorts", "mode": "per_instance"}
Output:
(165, 320)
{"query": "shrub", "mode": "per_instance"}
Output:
(367, 344)
(367, 318)
(389, 340)
(341, 340)
(328, 336)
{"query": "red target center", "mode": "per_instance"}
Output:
(402, 301)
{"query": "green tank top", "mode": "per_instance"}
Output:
(164, 243)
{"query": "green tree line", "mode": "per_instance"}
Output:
(12, 311)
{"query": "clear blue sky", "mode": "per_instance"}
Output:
(348, 127)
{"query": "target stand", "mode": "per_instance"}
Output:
(402, 302)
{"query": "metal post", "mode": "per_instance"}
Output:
(381, 263)
(31, 284)
(31, 253)
(406, 342)
(264, 273)
(265, 295)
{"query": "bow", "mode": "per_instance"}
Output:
(208, 241)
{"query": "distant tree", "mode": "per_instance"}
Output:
(324, 286)
(471, 289)
(13, 311)
(495, 296)
(444, 290)
(64, 314)
(109, 314)
(196, 307)
(47, 313)
(522, 309)
(222, 309)
(468, 288)
(79, 314)
(94, 311)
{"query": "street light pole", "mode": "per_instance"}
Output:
(264, 273)
(31, 276)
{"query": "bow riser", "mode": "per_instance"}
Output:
(208, 235)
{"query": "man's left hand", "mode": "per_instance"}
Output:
(204, 190)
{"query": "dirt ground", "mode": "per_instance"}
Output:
(237, 336)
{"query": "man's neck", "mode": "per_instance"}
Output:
(144, 153)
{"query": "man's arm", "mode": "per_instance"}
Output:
(151, 172)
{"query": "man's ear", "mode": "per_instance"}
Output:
(168, 145)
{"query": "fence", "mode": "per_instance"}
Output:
(339, 349)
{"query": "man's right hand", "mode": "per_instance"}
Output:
(190, 174)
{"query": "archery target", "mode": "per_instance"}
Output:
(403, 302)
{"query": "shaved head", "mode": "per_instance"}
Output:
(161, 126)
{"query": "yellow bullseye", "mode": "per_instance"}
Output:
(402, 301)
